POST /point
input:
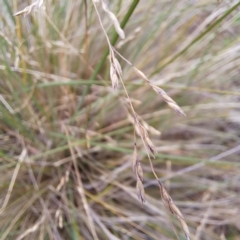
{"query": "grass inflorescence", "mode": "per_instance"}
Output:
(110, 110)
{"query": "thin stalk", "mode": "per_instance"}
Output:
(104, 57)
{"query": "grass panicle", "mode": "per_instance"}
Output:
(91, 146)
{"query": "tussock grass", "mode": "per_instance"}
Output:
(67, 138)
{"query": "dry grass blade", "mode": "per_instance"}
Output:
(32, 229)
(13, 180)
(33, 7)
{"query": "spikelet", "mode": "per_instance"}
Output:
(171, 103)
(134, 158)
(141, 130)
(113, 76)
(117, 66)
(140, 191)
(137, 170)
(150, 146)
(115, 70)
(167, 200)
(151, 129)
(141, 74)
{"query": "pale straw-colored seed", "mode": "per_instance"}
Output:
(150, 146)
(141, 130)
(115, 70)
(114, 20)
(134, 158)
(171, 103)
(174, 209)
(167, 200)
(114, 77)
(139, 171)
(185, 228)
(151, 129)
(159, 90)
(140, 191)
(176, 108)
(138, 131)
(117, 66)
(141, 74)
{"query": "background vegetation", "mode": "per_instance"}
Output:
(66, 138)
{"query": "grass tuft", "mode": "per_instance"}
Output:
(86, 122)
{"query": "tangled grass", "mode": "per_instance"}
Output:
(68, 139)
